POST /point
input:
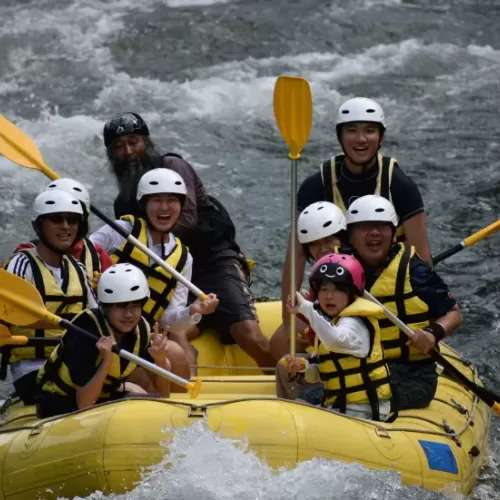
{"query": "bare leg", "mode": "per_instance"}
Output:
(179, 364)
(248, 336)
(190, 351)
(141, 378)
(279, 344)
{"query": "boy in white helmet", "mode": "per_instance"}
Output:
(359, 171)
(95, 259)
(81, 373)
(160, 195)
(62, 282)
(321, 229)
(407, 285)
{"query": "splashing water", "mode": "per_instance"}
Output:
(202, 465)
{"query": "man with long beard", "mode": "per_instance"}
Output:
(204, 226)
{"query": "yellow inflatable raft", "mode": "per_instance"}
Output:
(106, 447)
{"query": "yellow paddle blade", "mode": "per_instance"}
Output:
(20, 302)
(293, 112)
(17, 147)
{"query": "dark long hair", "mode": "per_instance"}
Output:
(128, 176)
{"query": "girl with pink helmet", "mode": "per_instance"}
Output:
(348, 356)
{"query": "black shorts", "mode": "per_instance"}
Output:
(26, 387)
(413, 385)
(228, 279)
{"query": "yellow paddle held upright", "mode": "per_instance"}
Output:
(292, 104)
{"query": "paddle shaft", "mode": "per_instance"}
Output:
(471, 240)
(52, 175)
(487, 396)
(178, 276)
(293, 256)
(128, 355)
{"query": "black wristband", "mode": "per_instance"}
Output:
(436, 330)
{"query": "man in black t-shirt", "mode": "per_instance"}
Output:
(358, 172)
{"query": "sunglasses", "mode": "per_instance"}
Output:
(72, 220)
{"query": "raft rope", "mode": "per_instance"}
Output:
(228, 367)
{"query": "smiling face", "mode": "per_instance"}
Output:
(163, 210)
(331, 299)
(372, 241)
(324, 246)
(60, 230)
(124, 317)
(361, 141)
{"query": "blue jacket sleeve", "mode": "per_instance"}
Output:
(430, 288)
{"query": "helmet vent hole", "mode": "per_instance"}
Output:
(306, 212)
(326, 224)
(108, 290)
(303, 231)
(370, 110)
(77, 189)
(134, 288)
(128, 270)
(153, 183)
(50, 202)
(345, 111)
(354, 211)
(320, 208)
(178, 183)
(112, 272)
(380, 210)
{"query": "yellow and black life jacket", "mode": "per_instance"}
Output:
(393, 288)
(55, 376)
(67, 301)
(331, 173)
(90, 258)
(161, 283)
(348, 379)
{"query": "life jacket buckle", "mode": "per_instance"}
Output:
(197, 412)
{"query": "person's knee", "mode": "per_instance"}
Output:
(248, 331)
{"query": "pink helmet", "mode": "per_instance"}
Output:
(339, 268)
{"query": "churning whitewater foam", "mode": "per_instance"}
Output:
(202, 465)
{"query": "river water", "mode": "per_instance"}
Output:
(201, 73)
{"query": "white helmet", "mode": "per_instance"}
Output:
(372, 208)
(319, 220)
(71, 186)
(55, 202)
(360, 109)
(122, 283)
(161, 180)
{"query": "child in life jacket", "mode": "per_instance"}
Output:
(348, 356)
(81, 372)
(321, 229)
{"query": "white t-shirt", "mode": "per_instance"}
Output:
(20, 266)
(348, 336)
(176, 316)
